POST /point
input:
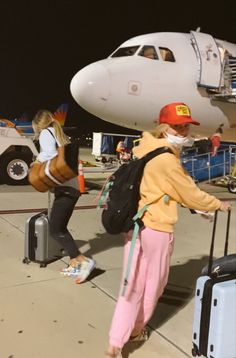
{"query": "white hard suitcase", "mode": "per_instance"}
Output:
(214, 326)
(39, 246)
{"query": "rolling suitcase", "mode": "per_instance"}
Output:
(214, 326)
(39, 246)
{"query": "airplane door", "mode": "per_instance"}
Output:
(209, 58)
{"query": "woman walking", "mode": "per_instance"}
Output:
(165, 183)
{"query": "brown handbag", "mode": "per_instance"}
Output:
(54, 172)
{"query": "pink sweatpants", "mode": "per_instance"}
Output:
(148, 278)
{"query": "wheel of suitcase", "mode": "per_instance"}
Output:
(43, 264)
(195, 351)
(26, 261)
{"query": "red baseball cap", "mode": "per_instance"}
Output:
(176, 113)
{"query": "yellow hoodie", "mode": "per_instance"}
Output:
(166, 183)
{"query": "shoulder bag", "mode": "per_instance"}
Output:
(56, 171)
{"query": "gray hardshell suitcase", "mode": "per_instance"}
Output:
(39, 246)
(214, 326)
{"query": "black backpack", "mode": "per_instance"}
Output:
(123, 194)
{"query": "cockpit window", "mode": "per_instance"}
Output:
(148, 52)
(167, 54)
(125, 51)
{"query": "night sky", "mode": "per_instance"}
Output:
(44, 43)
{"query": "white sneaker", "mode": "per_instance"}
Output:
(86, 267)
(71, 271)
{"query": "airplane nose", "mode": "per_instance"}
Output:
(90, 88)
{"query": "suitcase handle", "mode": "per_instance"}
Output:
(49, 202)
(213, 240)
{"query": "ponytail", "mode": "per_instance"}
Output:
(59, 134)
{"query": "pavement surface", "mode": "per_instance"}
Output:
(46, 315)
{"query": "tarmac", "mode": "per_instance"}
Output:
(46, 315)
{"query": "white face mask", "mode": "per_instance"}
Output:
(178, 141)
(189, 141)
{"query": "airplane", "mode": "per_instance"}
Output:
(24, 126)
(130, 87)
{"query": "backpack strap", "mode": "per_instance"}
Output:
(51, 133)
(157, 152)
(104, 194)
(53, 136)
(132, 246)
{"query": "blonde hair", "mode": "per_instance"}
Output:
(44, 119)
(158, 132)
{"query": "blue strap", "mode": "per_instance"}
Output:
(166, 199)
(105, 192)
(132, 246)
(140, 212)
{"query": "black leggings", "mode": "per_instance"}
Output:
(62, 209)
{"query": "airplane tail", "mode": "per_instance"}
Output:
(61, 113)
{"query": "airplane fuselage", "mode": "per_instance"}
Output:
(131, 90)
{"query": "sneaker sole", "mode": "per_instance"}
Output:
(69, 275)
(78, 281)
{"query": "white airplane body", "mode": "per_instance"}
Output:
(129, 89)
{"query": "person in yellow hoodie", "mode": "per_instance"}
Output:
(165, 184)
